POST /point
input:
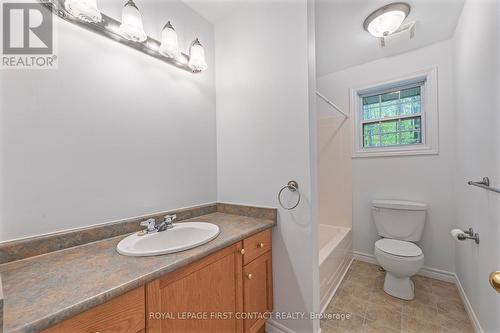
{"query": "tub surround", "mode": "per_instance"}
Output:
(47, 289)
(335, 256)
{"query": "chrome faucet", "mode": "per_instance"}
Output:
(150, 225)
(168, 223)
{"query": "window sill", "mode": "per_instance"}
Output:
(384, 152)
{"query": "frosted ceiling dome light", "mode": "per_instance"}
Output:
(131, 26)
(84, 10)
(386, 20)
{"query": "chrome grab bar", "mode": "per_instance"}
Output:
(485, 183)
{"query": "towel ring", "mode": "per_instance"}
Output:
(293, 186)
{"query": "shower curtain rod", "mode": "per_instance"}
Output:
(323, 97)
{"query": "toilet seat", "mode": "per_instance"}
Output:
(398, 247)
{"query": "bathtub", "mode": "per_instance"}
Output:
(335, 256)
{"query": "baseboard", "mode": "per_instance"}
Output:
(430, 272)
(365, 257)
(468, 307)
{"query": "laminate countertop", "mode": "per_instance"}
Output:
(42, 291)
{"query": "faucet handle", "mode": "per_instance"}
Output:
(149, 224)
(170, 218)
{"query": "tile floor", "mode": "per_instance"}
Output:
(437, 306)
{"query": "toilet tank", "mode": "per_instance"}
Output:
(397, 219)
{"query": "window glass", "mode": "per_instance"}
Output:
(392, 118)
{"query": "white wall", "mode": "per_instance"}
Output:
(263, 103)
(111, 133)
(477, 114)
(419, 178)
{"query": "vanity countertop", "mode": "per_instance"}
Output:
(44, 290)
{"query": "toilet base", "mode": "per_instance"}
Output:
(400, 287)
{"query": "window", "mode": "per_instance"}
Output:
(396, 118)
(392, 118)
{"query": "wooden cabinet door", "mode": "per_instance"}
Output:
(258, 291)
(209, 287)
(123, 314)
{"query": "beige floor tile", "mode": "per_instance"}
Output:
(419, 310)
(352, 325)
(348, 303)
(446, 291)
(382, 316)
(457, 326)
(422, 283)
(380, 297)
(437, 306)
(417, 325)
(377, 327)
(424, 297)
(356, 289)
(452, 308)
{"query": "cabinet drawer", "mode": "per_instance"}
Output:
(124, 314)
(256, 245)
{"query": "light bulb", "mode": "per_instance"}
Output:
(169, 42)
(131, 26)
(386, 23)
(197, 57)
(84, 10)
(386, 20)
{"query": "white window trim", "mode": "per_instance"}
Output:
(430, 118)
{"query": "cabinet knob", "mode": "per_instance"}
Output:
(249, 276)
(261, 245)
(242, 251)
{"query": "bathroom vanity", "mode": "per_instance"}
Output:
(205, 296)
(222, 286)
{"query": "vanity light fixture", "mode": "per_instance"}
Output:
(130, 32)
(197, 57)
(84, 10)
(131, 27)
(386, 20)
(169, 42)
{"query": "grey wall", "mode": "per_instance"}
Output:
(425, 178)
(111, 133)
(477, 113)
(263, 137)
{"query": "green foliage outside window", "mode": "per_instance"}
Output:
(401, 127)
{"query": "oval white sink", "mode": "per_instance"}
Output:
(181, 237)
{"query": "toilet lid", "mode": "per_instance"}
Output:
(398, 247)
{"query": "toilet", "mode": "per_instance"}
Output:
(400, 224)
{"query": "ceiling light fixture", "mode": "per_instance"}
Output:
(386, 20)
